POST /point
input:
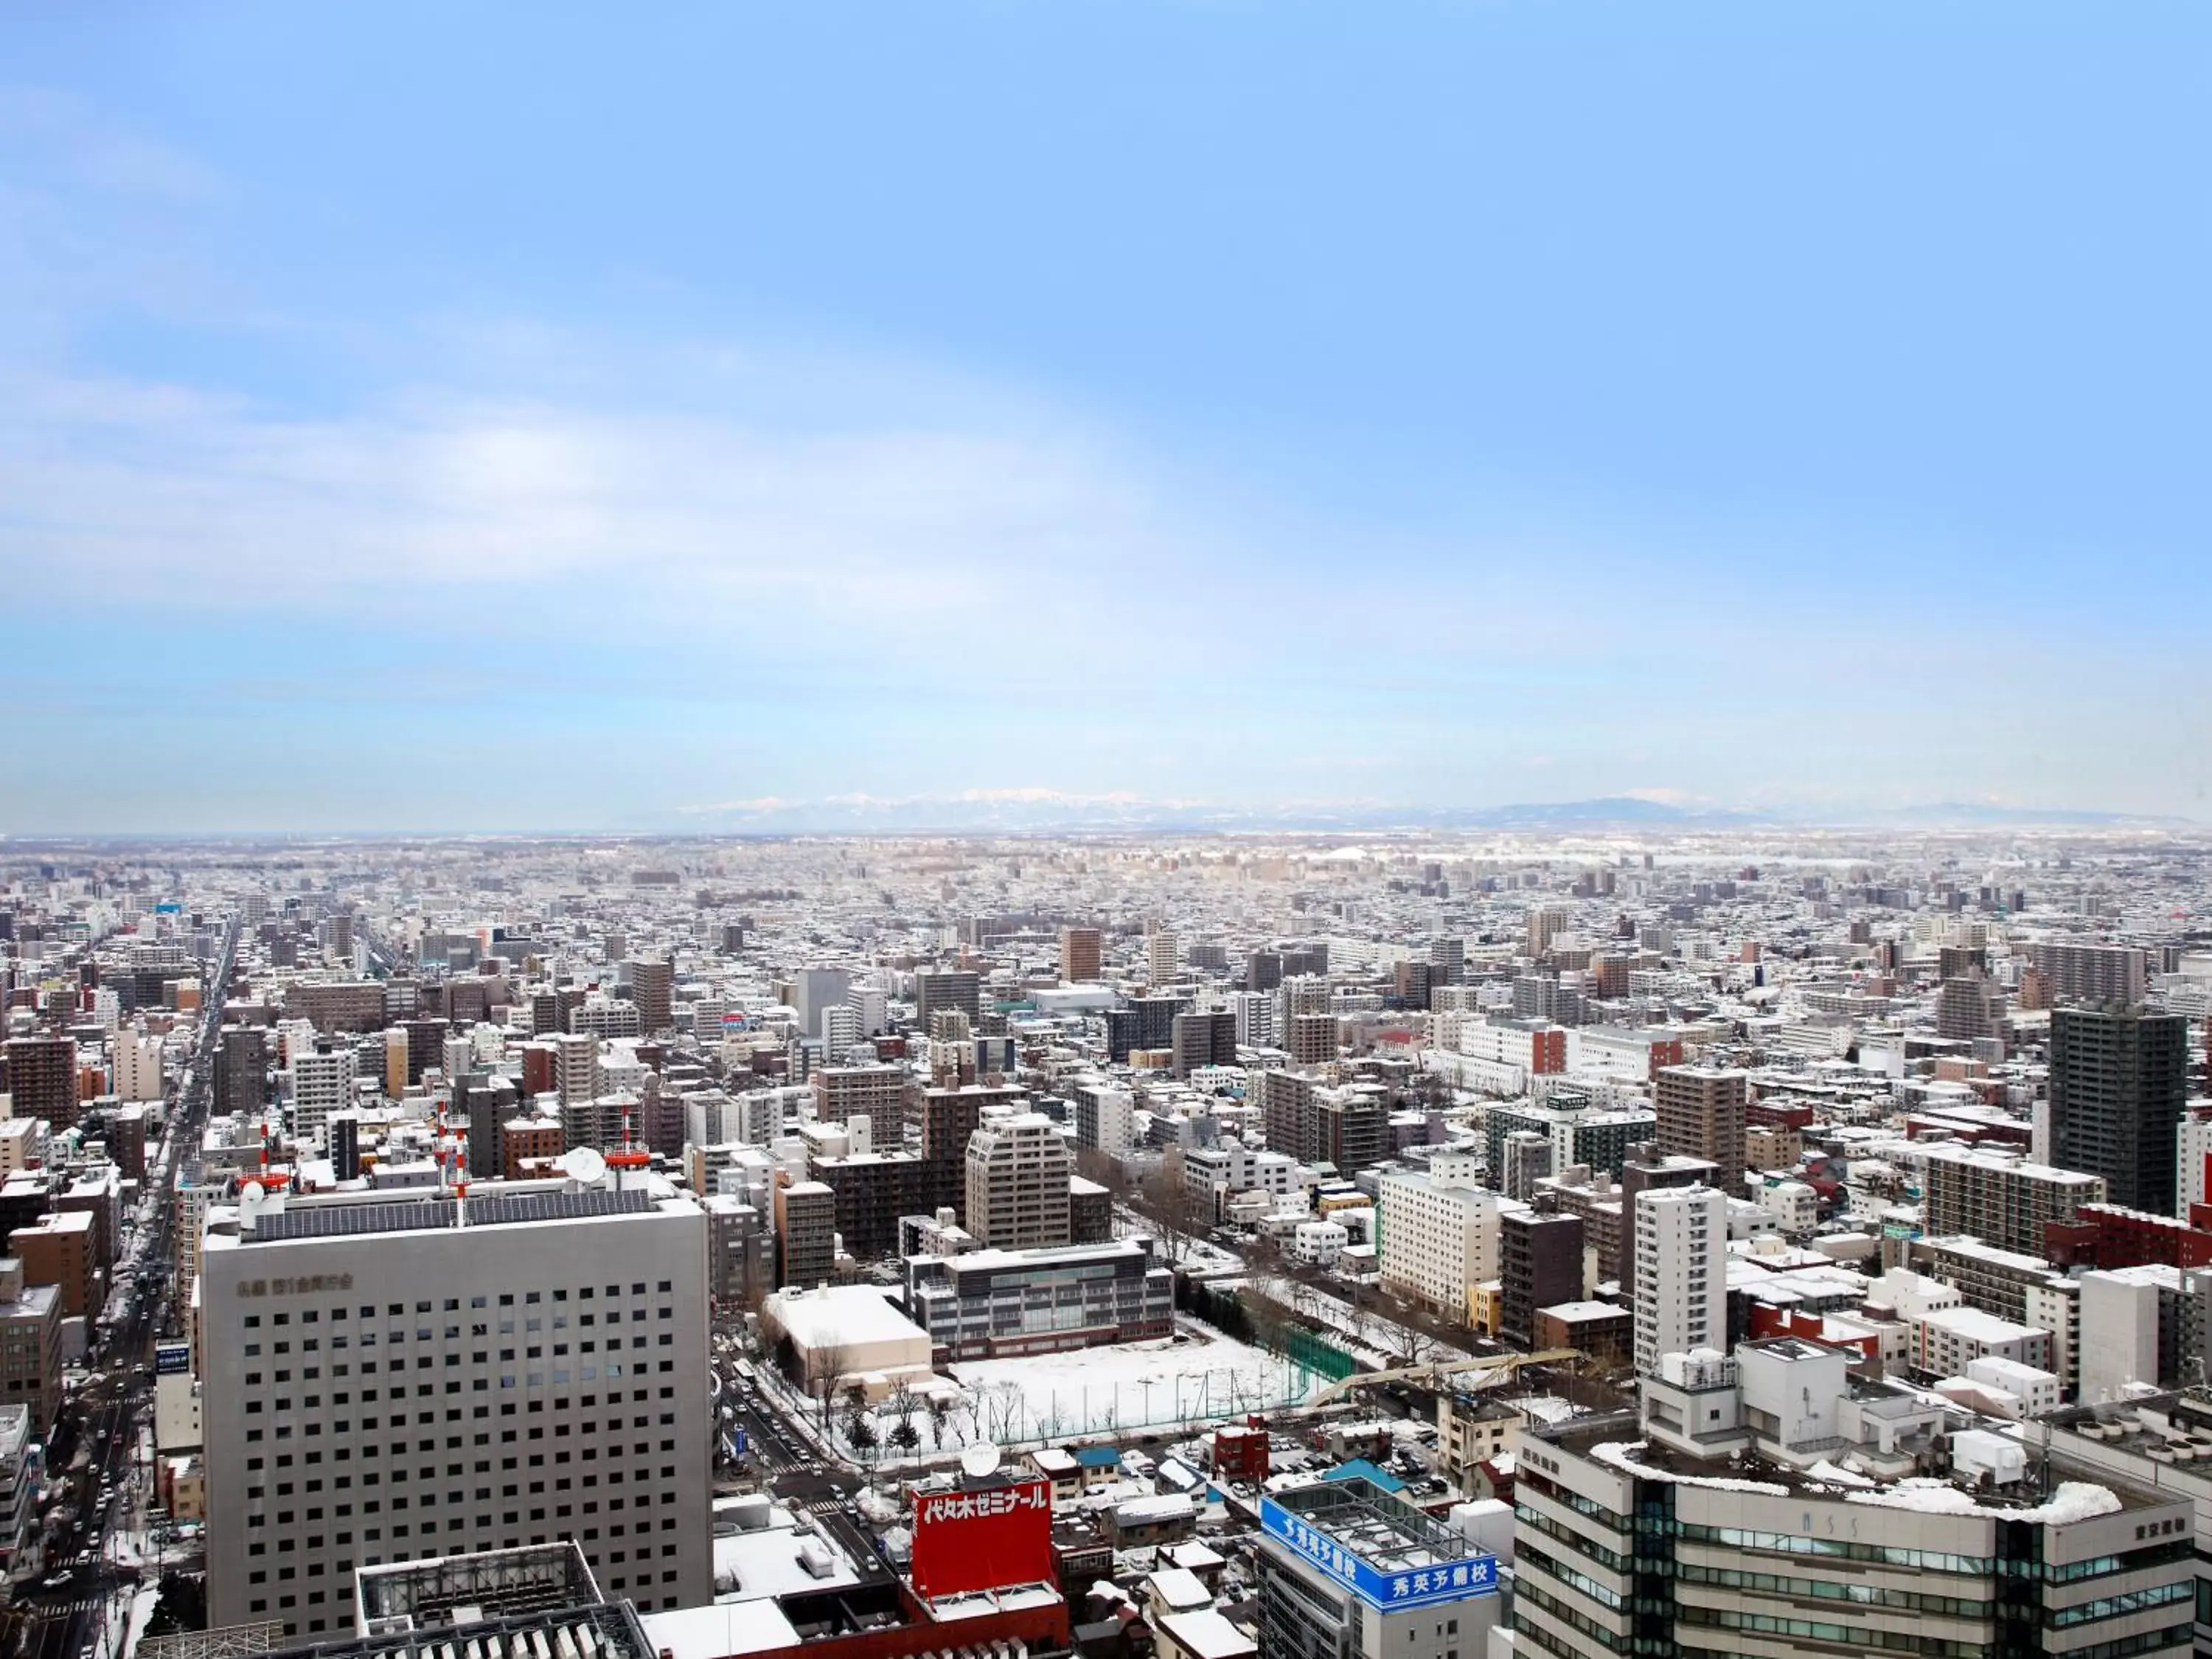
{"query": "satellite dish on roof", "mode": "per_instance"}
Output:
(980, 1459)
(584, 1165)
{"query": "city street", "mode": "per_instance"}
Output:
(75, 1608)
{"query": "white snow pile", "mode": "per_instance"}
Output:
(2073, 1500)
(1836, 1474)
(1620, 1454)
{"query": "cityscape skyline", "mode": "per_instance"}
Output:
(1643, 416)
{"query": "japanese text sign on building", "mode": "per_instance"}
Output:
(982, 1539)
(1380, 1586)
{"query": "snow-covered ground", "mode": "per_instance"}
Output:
(1202, 1376)
(142, 1611)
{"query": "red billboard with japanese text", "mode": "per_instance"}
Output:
(982, 1538)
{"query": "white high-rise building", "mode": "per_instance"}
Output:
(1681, 1276)
(138, 1066)
(1105, 1116)
(870, 1003)
(2195, 1135)
(1255, 1017)
(1018, 1171)
(431, 1376)
(322, 1082)
(1163, 957)
(840, 1031)
(1437, 1239)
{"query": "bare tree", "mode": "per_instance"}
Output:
(940, 1408)
(1405, 1341)
(905, 1403)
(1175, 1213)
(1003, 1408)
(1097, 1164)
(825, 1370)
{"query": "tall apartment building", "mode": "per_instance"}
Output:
(1255, 1013)
(873, 1190)
(1969, 1007)
(30, 1345)
(841, 1033)
(1081, 955)
(1285, 1102)
(1546, 923)
(1701, 1114)
(1163, 956)
(1263, 970)
(1525, 1158)
(322, 1082)
(940, 1122)
(652, 988)
(1017, 1172)
(484, 1101)
(805, 1234)
(1142, 1023)
(1681, 1273)
(241, 1070)
(419, 1375)
(939, 988)
(42, 1078)
(1539, 1265)
(1579, 1131)
(341, 1007)
(63, 1248)
(2109, 976)
(137, 1066)
(576, 1067)
(1202, 1040)
(1348, 1127)
(1439, 1240)
(871, 1004)
(876, 1093)
(2001, 1201)
(1105, 1116)
(2119, 1083)
(1311, 1039)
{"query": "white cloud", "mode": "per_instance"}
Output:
(178, 496)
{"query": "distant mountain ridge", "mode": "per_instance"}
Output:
(1026, 811)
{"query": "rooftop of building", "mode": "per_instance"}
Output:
(832, 1314)
(1046, 1256)
(1617, 1441)
(438, 1591)
(1386, 1532)
(277, 1219)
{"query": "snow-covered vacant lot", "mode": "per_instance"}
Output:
(1201, 1375)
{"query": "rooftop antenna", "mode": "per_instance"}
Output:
(631, 1157)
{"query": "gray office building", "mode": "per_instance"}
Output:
(412, 1375)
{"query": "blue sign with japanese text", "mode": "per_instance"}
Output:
(1413, 1587)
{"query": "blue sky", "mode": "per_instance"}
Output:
(482, 418)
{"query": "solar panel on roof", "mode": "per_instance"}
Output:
(337, 1221)
(556, 1206)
